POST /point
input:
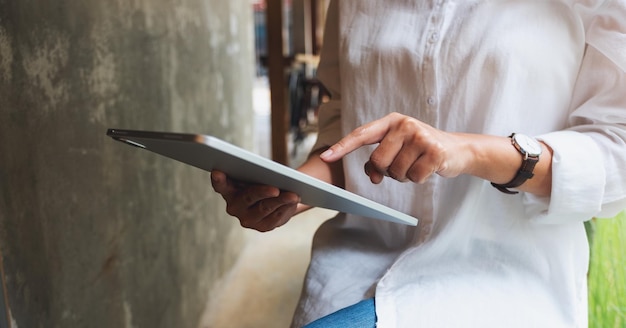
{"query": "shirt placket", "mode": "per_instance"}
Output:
(431, 46)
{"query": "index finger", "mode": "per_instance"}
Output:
(367, 134)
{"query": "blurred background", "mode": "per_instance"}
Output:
(97, 234)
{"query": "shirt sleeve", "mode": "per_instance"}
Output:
(329, 114)
(589, 162)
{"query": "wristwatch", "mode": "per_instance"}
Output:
(530, 149)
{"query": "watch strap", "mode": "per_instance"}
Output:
(524, 173)
(530, 157)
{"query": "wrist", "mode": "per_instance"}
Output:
(530, 150)
(489, 157)
(492, 158)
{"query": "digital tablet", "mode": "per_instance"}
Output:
(210, 153)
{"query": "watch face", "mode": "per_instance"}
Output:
(528, 145)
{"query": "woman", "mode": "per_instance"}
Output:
(501, 126)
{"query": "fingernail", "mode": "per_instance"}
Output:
(327, 153)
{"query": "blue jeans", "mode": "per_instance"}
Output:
(359, 315)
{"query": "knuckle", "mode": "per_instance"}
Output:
(265, 210)
(375, 161)
(264, 228)
(378, 161)
(248, 199)
(395, 116)
(415, 175)
(417, 138)
(359, 132)
(267, 224)
(407, 122)
(439, 149)
(231, 210)
(395, 174)
(264, 207)
(246, 224)
(421, 137)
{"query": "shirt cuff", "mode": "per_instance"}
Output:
(578, 180)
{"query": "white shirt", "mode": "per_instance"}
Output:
(478, 258)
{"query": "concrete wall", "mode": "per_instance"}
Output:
(94, 233)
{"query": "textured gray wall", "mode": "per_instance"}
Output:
(95, 233)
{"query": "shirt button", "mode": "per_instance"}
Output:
(431, 101)
(434, 37)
